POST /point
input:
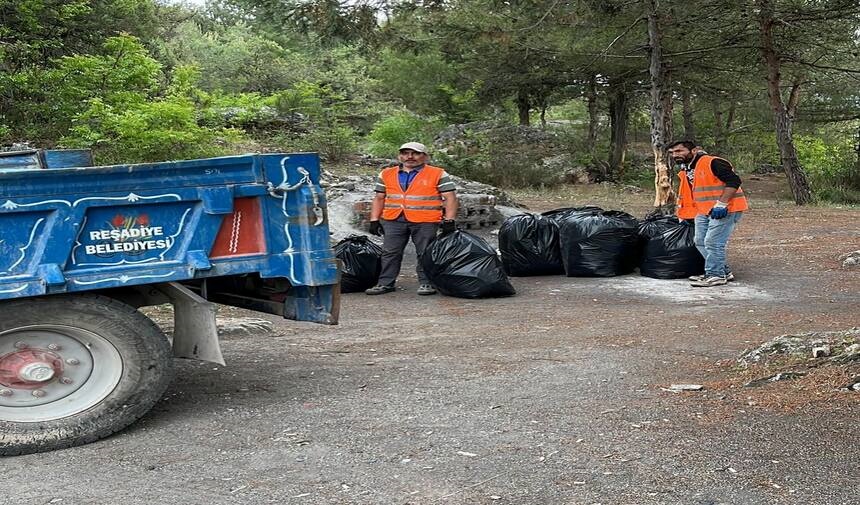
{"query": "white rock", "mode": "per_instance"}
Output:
(243, 326)
(821, 351)
(677, 388)
(850, 260)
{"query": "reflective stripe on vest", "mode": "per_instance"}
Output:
(421, 203)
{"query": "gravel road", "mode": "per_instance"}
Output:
(554, 396)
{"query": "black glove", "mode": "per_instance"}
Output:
(376, 229)
(448, 226)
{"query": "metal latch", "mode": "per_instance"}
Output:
(281, 189)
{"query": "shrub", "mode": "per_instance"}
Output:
(334, 142)
(496, 159)
(304, 98)
(150, 131)
(242, 110)
(831, 166)
(390, 133)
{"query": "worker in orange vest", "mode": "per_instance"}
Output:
(710, 193)
(413, 200)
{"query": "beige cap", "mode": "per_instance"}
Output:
(415, 146)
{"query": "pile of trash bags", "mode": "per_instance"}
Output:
(591, 242)
(575, 241)
(465, 266)
(361, 262)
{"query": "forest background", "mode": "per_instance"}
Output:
(765, 83)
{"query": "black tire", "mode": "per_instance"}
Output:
(114, 391)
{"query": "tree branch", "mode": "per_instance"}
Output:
(542, 18)
(821, 67)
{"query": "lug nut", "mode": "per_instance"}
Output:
(21, 345)
(73, 361)
(54, 347)
(38, 393)
(6, 392)
(66, 380)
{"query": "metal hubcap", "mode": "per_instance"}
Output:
(54, 371)
(28, 368)
(36, 372)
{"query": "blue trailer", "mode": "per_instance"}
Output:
(82, 248)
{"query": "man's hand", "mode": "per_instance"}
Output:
(448, 226)
(376, 229)
(718, 212)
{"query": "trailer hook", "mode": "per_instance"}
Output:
(281, 189)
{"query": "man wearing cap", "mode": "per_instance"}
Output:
(413, 200)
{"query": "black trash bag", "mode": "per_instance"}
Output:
(463, 265)
(362, 263)
(529, 246)
(599, 244)
(669, 250)
(559, 214)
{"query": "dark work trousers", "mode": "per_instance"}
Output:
(397, 234)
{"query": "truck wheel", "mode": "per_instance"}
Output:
(74, 369)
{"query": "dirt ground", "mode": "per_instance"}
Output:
(553, 396)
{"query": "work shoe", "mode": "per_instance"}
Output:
(711, 280)
(379, 290)
(426, 289)
(729, 277)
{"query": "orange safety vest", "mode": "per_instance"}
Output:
(421, 203)
(706, 190)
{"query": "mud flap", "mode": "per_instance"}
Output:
(318, 304)
(195, 334)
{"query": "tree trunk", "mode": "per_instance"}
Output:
(542, 104)
(523, 107)
(797, 179)
(720, 135)
(730, 119)
(687, 112)
(598, 169)
(793, 98)
(854, 176)
(723, 125)
(618, 129)
(591, 95)
(661, 115)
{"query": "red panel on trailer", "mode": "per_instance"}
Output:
(241, 232)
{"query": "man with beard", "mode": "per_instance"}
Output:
(710, 193)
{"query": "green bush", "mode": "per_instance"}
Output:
(831, 165)
(334, 142)
(241, 110)
(494, 161)
(749, 151)
(151, 131)
(390, 133)
(303, 98)
(42, 102)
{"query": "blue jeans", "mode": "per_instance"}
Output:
(711, 237)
